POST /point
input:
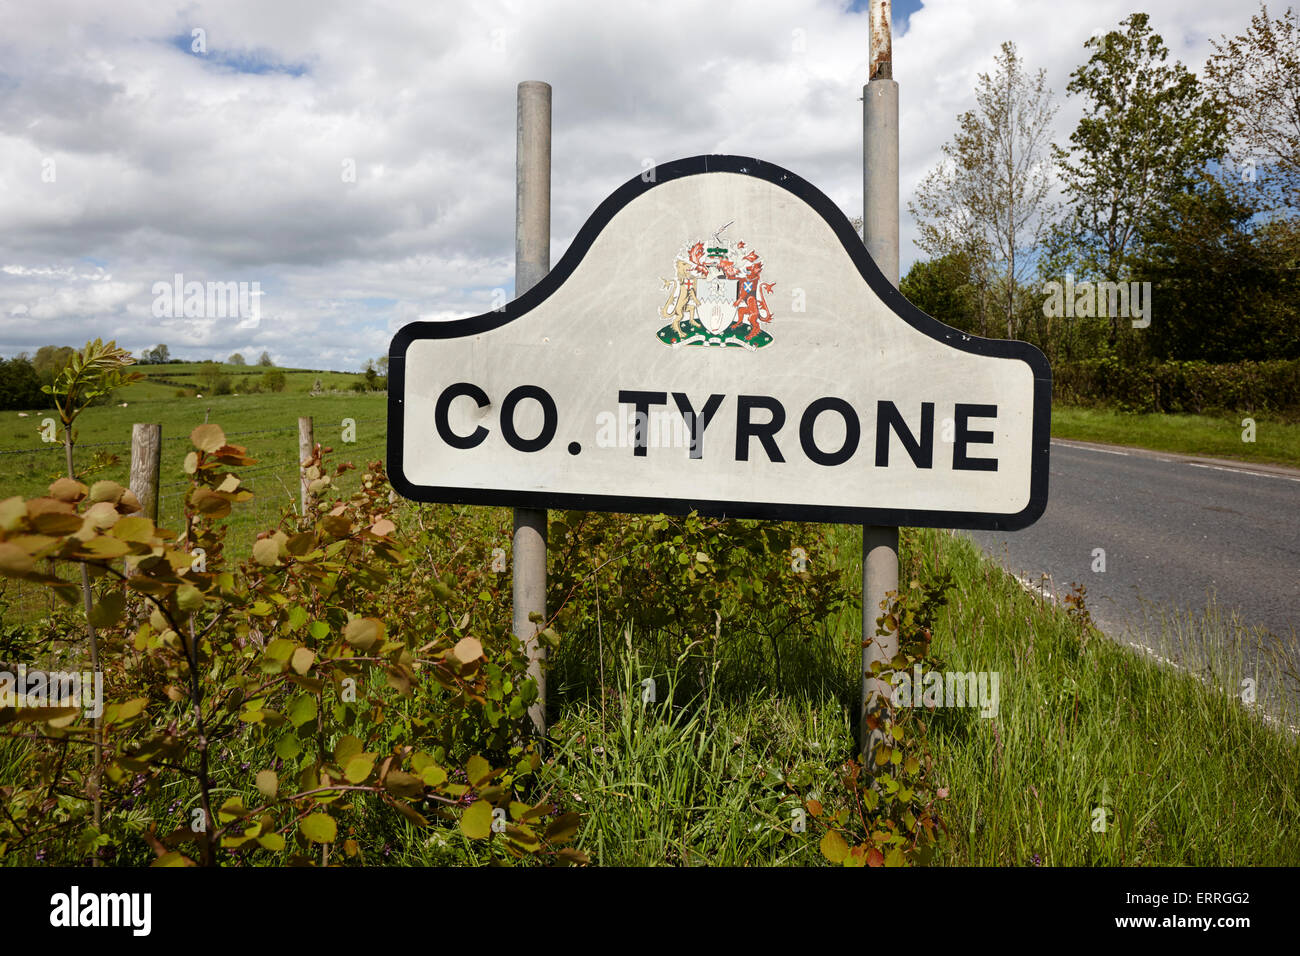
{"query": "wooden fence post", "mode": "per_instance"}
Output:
(306, 449)
(146, 458)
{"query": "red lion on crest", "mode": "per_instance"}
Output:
(751, 303)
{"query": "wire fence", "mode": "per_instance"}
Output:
(274, 479)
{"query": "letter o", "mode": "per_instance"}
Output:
(550, 418)
(852, 431)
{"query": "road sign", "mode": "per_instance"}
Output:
(718, 339)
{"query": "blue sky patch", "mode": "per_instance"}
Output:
(258, 62)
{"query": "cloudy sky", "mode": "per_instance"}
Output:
(356, 160)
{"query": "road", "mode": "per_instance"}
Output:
(1176, 532)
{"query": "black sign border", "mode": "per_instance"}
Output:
(853, 245)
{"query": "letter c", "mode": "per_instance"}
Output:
(450, 394)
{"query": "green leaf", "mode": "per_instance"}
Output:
(136, 530)
(476, 821)
(188, 597)
(120, 713)
(105, 547)
(231, 810)
(268, 783)
(280, 649)
(302, 660)
(109, 610)
(477, 770)
(563, 828)
(402, 784)
(833, 847)
(173, 858)
(363, 632)
(359, 767)
(266, 552)
(433, 775)
(288, 747)
(319, 828)
(302, 710)
(347, 748)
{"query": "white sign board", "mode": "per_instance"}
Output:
(718, 339)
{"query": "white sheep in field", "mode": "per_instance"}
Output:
(123, 405)
(22, 414)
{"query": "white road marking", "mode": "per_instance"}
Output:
(1104, 451)
(1243, 471)
(1194, 464)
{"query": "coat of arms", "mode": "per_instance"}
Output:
(716, 297)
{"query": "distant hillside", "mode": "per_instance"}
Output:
(199, 376)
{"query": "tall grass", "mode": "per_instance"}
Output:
(1098, 755)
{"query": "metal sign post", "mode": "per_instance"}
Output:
(532, 263)
(880, 233)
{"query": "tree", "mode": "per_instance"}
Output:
(20, 386)
(96, 371)
(1256, 76)
(50, 360)
(265, 360)
(944, 288)
(987, 200)
(1147, 132)
(213, 380)
(236, 359)
(273, 380)
(1225, 281)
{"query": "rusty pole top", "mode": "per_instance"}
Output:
(882, 56)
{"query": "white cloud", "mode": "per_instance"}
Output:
(125, 159)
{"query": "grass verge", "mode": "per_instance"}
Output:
(1275, 441)
(1097, 755)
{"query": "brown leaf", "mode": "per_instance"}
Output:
(52, 523)
(208, 438)
(467, 650)
(14, 560)
(68, 489)
(42, 506)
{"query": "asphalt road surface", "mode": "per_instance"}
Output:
(1177, 533)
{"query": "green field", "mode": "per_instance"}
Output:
(265, 423)
(1276, 441)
